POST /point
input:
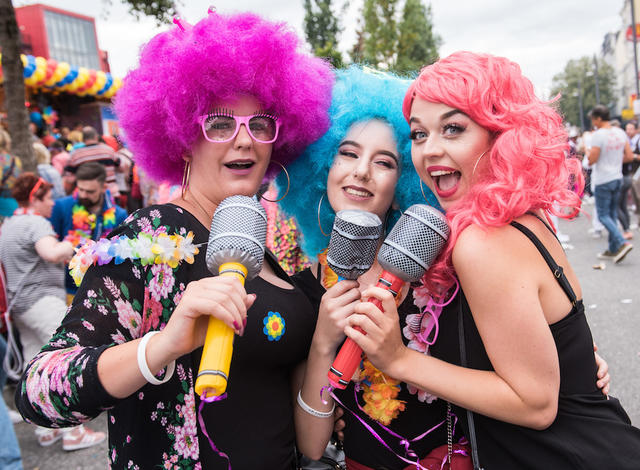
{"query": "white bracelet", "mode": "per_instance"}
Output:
(313, 411)
(144, 367)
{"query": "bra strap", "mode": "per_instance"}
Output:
(556, 269)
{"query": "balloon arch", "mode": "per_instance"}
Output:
(50, 75)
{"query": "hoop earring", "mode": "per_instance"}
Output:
(477, 161)
(422, 191)
(286, 173)
(186, 174)
(319, 223)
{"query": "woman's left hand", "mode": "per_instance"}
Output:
(383, 341)
(604, 379)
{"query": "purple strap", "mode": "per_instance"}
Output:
(212, 399)
(403, 441)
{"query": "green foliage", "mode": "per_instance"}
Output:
(379, 33)
(400, 41)
(322, 28)
(162, 11)
(418, 43)
(578, 77)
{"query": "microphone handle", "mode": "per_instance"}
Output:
(350, 354)
(218, 346)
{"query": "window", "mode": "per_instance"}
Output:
(71, 40)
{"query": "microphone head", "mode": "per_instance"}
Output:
(238, 234)
(414, 242)
(353, 243)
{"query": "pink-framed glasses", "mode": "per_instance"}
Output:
(219, 127)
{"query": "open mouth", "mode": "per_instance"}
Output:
(446, 181)
(239, 165)
(357, 192)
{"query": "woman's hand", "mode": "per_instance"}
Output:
(337, 304)
(383, 341)
(603, 372)
(220, 297)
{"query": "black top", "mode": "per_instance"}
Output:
(158, 424)
(589, 432)
(418, 417)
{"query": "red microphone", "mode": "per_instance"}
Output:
(406, 254)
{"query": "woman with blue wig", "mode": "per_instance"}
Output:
(362, 162)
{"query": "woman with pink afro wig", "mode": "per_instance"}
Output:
(212, 106)
(526, 390)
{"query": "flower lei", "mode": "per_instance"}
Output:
(379, 390)
(149, 249)
(84, 223)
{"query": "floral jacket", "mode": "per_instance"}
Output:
(157, 426)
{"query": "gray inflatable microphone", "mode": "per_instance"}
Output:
(354, 242)
(410, 248)
(236, 248)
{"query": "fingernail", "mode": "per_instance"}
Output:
(236, 326)
(244, 323)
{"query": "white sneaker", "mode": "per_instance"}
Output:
(81, 437)
(563, 237)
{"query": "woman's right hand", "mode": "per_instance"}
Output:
(220, 297)
(337, 304)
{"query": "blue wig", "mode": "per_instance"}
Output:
(358, 95)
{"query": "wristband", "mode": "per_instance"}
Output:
(144, 367)
(313, 411)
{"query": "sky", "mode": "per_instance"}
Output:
(541, 36)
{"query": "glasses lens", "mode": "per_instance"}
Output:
(263, 128)
(219, 128)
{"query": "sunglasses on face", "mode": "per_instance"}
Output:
(223, 127)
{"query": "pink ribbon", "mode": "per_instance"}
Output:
(404, 442)
(203, 400)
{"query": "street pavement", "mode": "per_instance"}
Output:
(612, 301)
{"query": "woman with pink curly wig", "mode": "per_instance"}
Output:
(211, 106)
(514, 355)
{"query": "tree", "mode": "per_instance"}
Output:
(322, 27)
(379, 33)
(402, 44)
(14, 87)
(14, 91)
(578, 80)
(418, 44)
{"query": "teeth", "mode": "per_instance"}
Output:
(357, 192)
(442, 172)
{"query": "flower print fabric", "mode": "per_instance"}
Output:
(157, 427)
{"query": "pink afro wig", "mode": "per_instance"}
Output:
(187, 70)
(527, 168)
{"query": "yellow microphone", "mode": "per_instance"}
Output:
(236, 248)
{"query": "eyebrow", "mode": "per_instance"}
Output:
(446, 115)
(382, 152)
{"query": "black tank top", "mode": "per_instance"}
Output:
(589, 432)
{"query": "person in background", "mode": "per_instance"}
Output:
(628, 170)
(88, 214)
(609, 150)
(97, 152)
(34, 261)
(11, 169)
(47, 171)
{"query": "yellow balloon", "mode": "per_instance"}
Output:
(32, 80)
(24, 60)
(61, 71)
(41, 63)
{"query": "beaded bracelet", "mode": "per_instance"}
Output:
(313, 411)
(144, 367)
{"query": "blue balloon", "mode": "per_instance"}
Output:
(107, 84)
(30, 67)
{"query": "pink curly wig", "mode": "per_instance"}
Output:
(185, 71)
(527, 168)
